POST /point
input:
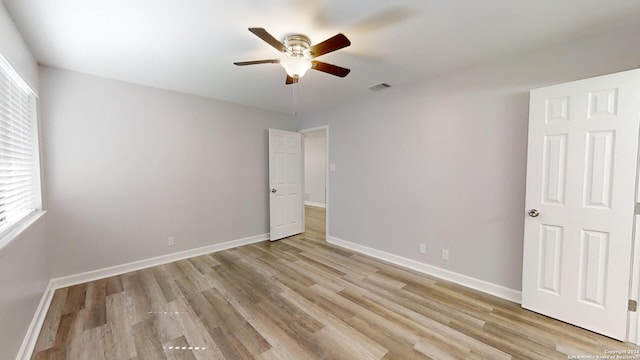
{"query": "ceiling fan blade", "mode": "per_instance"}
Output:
(332, 44)
(330, 69)
(243, 63)
(269, 39)
(291, 80)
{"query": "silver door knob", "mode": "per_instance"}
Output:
(533, 213)
(273, 191)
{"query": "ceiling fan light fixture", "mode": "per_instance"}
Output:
(298, 52)
(296, 67)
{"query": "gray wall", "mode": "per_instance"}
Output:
(23, 263)
(15, 50)
(128, 166)
(23, 278)
(442, 162)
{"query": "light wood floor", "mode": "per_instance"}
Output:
(299, 298)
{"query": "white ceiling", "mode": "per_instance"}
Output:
(190, 45)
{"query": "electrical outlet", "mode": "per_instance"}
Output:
(423, 248)
(170, 241)
(445, 254)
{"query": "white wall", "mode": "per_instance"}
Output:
(128, 166)
(443, 162)
(315, 153)
(23, 263)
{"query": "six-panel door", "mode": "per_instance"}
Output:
(581, 176)
(285, 181)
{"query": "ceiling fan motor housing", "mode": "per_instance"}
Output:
(299, 45)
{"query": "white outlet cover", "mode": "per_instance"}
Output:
(332, 167)
(445, 254)
(423, 248)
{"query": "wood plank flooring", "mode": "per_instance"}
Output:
(299, 298)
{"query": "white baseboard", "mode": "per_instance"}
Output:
(464, 280)
(315, 204)
(29, 342)
(93, 275)
(30, 338)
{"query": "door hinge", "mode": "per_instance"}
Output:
(637, 210)
(633, 305)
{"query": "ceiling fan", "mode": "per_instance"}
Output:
(299, 53)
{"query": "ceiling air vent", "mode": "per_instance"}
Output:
(379, 87)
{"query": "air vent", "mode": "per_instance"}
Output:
(379, 87)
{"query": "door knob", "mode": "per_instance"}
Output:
(273, 191)
(533, 212)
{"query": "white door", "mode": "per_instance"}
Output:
(285, 182)
(581, 174)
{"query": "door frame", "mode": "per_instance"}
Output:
(326, 174)
(633, 318)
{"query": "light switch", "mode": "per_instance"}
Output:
(332, 167)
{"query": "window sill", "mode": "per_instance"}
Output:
(18, 228)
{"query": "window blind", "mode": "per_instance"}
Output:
(17, 158)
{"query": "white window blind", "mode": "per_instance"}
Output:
(18, 160)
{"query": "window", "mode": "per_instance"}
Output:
(19, 169)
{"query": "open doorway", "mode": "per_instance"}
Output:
(316, 157)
